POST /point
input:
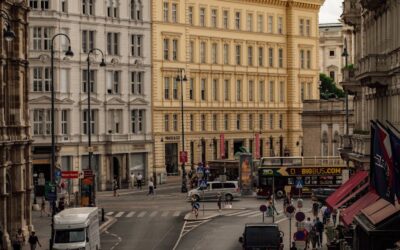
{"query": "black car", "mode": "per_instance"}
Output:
(321, 194)
(262, 236)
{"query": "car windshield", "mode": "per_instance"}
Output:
(69, 235)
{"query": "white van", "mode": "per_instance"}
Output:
(77, 229)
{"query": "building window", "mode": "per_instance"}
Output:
(64, 7)
(308, 59)
(226, 53)
(302, 91)
(226, 19)
(191, 122)
(260, 23)
(214, 53)
(175, 122)
(309, 90)
(250, 56)
(88, 37)
(226, 89)
(251, 91)
(39, 4)
(226, 122)
(301, 27)
(41, 121)
(238, 121)
(41, 37)
(114, 121)
(261, 90)
(271, 121)
(166, 49)
(112, 43)
(113, 82)
(191, 89)
(214, 18)
(308, 27)
(280, 25)
(202, 52)
(270, 24)
(331, 53)
(249, 22)
(271, 57)
(260, 56)
(174, 15)
(190, 15)
(238, 90)
(202, 17)
(280, 58)
(174, 49)
(137, 120)
(167, 88)
(175, 89)
(92, 121)
(92, 74)
(136, 9)
(280, 121)
(281, 91)
(203, 122)
(112, 8)
(215, 89)
(137, 45)
(203, 89)
(237, 20)
(215, 122)
(41, 79)
(165, 11)
(332, 75)
(166, 123)
(88, 7)
(137, 82)
(261, 121)
(302, 59)
(271, 91)
(191, 51)
(238, 54)
(251, 122)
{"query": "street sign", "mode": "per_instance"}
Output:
(183, 156)
(50, 192)
(203, 183)
(299, 183)
(299, 203)
(263, 208)
(87, 173)
(300, 216)
(69, 174)
(57, 173)
(290, 210)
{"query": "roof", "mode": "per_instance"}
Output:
(74, 215)
(349, 213)
(379, 211)
(329, 25)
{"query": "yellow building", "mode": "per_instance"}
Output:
(248, 64)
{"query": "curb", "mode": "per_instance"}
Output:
(110, 221)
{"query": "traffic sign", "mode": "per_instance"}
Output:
(300, 216)
(290, 209)
(69, 174)
(299, 183)
(87, 173)
(263, 208)
(183, 156)
(203, 183)
(57, 173)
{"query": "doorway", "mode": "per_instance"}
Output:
(171, 158)
(237, 145)
(116, 169)
(203, 151)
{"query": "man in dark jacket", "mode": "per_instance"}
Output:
(320, 229)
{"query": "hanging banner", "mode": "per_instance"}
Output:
(246, 173)
(222, 145)
(257, 152)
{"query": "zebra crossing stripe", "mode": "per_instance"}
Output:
(130, 214)
(153, 213)
(255, 215)
(141, 214)
(177, 213)
(109, 213)
(119, 214)
(164, 214)
(249, 213)
(237, 213)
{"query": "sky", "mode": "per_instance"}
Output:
(330, 12)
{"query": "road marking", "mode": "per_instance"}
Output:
(141, 214)
(279, 221)
(249, 213)
(130, 214)
(109, 213)
(255, 215)
(177, 213)
(237, 213)
(164, 213)
(119, 239)
(119, 214)
(153, 213)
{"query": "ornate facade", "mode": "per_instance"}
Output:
(248, 64)
(15, 138)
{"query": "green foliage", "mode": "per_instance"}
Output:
(328, 88)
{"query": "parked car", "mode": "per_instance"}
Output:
(229, 190)
(321, 194)
(262, 236)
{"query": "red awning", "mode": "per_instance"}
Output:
(348, 214)
(346, 191)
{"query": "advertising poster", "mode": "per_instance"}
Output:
(246, 173)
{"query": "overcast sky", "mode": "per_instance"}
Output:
(330, 12)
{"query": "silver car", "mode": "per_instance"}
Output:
(228, 189)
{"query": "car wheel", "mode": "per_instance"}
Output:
(196, 197)
(280, 194)
(228, 197)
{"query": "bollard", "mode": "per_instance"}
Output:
(102, 214)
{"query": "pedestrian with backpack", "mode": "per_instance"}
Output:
(33, 241)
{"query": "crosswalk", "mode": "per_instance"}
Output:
(144, 214)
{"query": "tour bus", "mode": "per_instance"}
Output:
(299, 175)
(77, 228)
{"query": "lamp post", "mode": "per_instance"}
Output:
(345, 54)
(68, 53)
(92, 194)
(182, 78)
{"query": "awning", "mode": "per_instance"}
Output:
(349, 213)
(379, 211)
(348, 190)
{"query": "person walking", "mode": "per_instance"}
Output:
(151, 187)
(19, 240)
(43, 208)
(115, 187)
(139, 181)
(315, 209)
(308, 227)
(313, 237)
(33, 241)
(320, 230)
(334, 216)
(132, 180)
(219, 201)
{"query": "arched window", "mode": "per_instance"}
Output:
(335, 143)
(324, 144)
(136, 10)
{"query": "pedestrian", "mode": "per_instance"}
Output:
(308, 227)
(219, 201)
(33, 241)
(313, 237)
(61, 204)
(192, 202)
(326, 215)
(329, 231)
(315, 208)
(151, 187)
(132, 180)
(334, 216)
(115, 187)
(43, 208)
(293, 246)
(320, 229)
(19, 240)
(196, 207)
(139, 181)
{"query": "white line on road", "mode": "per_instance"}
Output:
(164, 213)
(141, 214)
(119, 214)
(255, 215)
(279, 221)
(153, 213)
(116, 236)
(177, 213)
(130, 214)
(249, 213)
(237, 213)
(109, 213)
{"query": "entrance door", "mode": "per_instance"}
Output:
(116, 170)
(236, 146)
(171, 158)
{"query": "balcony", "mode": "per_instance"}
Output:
(373, 71)
(356, 147)
(372, 4)
(351, 13)
(349, 82)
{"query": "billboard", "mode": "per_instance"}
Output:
(246, 173)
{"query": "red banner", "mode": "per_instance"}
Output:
(257, 151)
(69, 174)
(222, 145)
(183, 156)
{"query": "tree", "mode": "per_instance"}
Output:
(328, 88)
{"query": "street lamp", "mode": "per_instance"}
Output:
(8, 34)
(68, 53)
(182, 78)
(92, 196)
(345, 54)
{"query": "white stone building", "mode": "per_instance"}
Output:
(120, 92)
